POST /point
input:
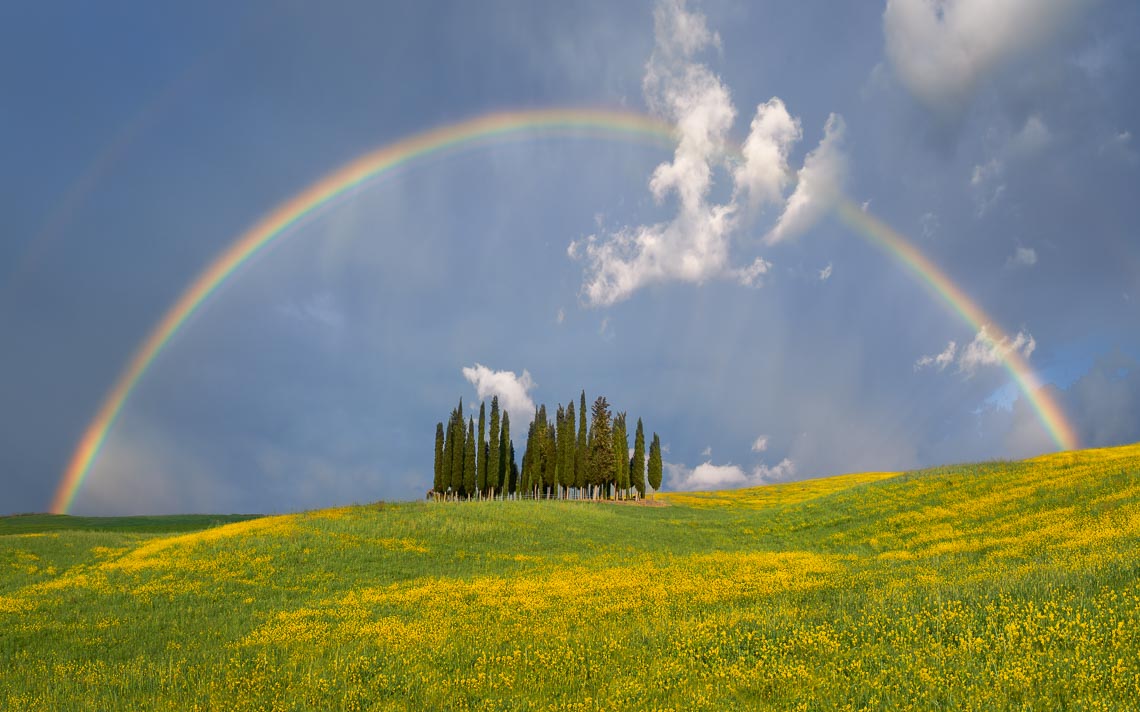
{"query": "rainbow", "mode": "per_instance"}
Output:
(602, 124)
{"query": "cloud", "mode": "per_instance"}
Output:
(1022, 257)
(561, 316)
(1032, 138)
(513, 391)
(987, 179)
(707, 452)
(760, 444)
(319, 309)
(695, 245)
(763, 175)
(939, 361)
(985, 351)
(818, 184)
(825, 273)
(708, 476)
(942, 49)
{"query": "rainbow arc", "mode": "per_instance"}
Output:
(488, 129)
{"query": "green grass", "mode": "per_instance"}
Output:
(38, 523)
(990, 586)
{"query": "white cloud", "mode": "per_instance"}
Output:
(763, 175)
(939, 361)
(694, 246)
(1022, 257)
(818, 184)
(825, 273)
(984, 350)
(561, 316)
(942, 49)
(930, 225)
(760, 444)
(750, 276)
(708, 476)
(707, 452)
(513, 390)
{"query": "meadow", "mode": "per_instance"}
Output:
(988, 586)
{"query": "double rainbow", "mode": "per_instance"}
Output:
(490, 128)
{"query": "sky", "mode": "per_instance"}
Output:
(707, 287)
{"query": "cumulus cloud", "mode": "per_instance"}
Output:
(760, 444)
(942, 49)
(695, 245)
(984, 350)
(818, 184)
(513, 390)
(708, 476)
(939, 361)
(1022, 257)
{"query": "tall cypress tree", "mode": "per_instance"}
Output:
(469, 460)
(437, 481)
(655, 463)
(506, 456)
(550, 472)
(601, 444)
(482, 449)
(581, 453)
(637, 467)
(512, 469)
(621, 455)
(458, 449)
(495, 468)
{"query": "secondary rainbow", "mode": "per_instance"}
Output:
(592, 123)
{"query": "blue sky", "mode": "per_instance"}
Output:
(718, 301)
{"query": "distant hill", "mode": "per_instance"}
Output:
(1003, 585)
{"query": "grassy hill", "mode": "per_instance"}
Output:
(991, 586)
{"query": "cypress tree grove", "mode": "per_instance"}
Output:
(481, 444)
(601, 445)
(637, 467)
(495, 468)
(469, 460)
(655, 463)
(581, 453)
(506, 457)
(437, 481)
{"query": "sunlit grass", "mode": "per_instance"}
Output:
(991, 586)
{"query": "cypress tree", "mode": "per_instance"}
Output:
(621, 455)
(458, 449)
(529, 454)
(569, 450)
(437, 481)
(550, 471)
(506, 456)
(655, 463)
(513, 469)
(601, 444)
(581, 453)
(481, 444)
(469, 460)
(495, 468)
(637, 466)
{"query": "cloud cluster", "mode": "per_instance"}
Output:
(708, 476)
(942, 49)
(984, 350)
(513, 390)
(694, 246)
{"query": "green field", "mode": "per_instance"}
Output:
(990, 586)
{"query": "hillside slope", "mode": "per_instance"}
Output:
(991, 586)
